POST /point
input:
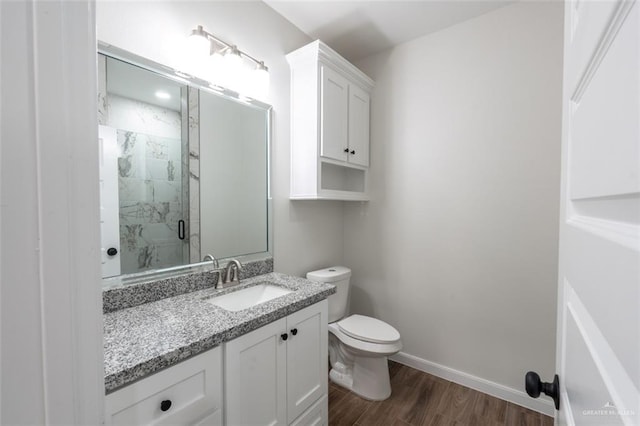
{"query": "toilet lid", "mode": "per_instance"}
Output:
(368, 329)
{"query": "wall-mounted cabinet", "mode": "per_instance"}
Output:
(329, 126)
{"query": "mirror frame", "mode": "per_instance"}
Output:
(200, 84)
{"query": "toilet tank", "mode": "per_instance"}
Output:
(338, 276)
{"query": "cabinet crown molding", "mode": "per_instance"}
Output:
(320, 51)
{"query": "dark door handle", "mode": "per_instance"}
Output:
(534, 387)
(353, 151)
(346, 150)
(112, 251)
(294, 331)
(181, 229)
(284, 336)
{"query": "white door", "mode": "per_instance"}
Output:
(598, 346)
(334, 106)
(109, 205)
(255, 377)
(306, 358)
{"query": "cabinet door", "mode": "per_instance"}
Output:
(255, 377)
(334, 98)
(358, 126)
(306, 358)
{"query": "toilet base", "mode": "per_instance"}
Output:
(367, 378)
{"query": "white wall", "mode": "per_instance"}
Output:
(458, 246)
(307, 235)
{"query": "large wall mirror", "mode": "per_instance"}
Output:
(184, 170)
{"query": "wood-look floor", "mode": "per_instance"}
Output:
(420, 399)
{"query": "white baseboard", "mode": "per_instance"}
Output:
(544, 406)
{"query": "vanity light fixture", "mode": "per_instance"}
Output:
(235, 74)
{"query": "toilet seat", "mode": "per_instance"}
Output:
(366, 347)
(368, 329)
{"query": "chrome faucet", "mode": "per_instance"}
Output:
(216, 269)
(232, 273)
(210, 257)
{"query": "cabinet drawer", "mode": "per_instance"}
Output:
(194, 388)
(316, 415)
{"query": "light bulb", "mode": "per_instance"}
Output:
(233, 59)
(260, 82)
(234, 70)
(217, 69)
(161, 94)
(199, 43)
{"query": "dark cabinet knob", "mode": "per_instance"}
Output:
(112, 251)
(294, 331)
(346, 150)
(165, 405)
(284, 336)
(535, 386)
(353, 151)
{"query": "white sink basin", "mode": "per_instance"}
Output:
(248, 297)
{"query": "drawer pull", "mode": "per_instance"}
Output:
(294, 331)
(284, 336)
(165, 405)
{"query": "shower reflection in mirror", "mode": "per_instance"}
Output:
(183, 171)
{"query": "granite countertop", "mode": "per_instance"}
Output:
(144, 339)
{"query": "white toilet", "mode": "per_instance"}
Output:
(358, 345)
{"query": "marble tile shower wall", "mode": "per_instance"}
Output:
(150, 183)
(194, 174)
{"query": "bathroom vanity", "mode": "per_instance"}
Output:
(185, 360)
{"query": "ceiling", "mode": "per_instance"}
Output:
(360, 28)
(130, 81)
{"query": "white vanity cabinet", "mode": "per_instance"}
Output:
(277, 374)
(329, 125)
(188, 393)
